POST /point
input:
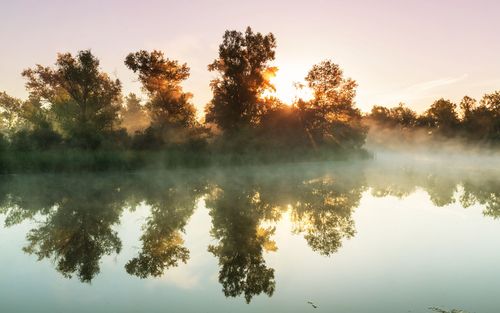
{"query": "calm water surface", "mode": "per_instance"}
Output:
(365, 237)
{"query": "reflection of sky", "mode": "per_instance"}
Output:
(407, 255)
(412, 51)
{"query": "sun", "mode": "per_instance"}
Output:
(289, 86)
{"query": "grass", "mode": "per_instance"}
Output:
(76, 160)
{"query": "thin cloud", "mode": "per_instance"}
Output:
(428, 85)
(418, 91)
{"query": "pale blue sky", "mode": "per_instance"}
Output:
(411, 51)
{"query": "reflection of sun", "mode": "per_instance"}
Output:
(289, 86)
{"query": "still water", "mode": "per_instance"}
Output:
(374, 236)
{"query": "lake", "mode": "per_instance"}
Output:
(393, 234)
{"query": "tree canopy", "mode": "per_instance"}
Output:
(243, 74)
(161, 78)
(83, 100)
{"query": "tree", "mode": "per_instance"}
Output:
(10, 109)
(398, 116)
(442, 115)
(467, 107)
(133, 115)
(26, 123)
(168, 106)
(331, 116)
(403, 116)
(381, 115)
(244, 74)
(491, 104)
(84, 100)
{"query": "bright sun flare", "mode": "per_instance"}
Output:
(289, 86)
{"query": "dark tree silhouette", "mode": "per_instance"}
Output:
(443, 116)
(331, 116)
(169, 107)
(244, 70)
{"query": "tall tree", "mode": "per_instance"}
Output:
(331, 116)
(169, 106)
(244, 73)
(84, 100)
(491, 104)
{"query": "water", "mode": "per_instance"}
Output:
(392, 235)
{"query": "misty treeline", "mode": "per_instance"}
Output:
(469, 121)
(75, 105)
(76, 109)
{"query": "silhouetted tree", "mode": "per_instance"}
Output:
(491, 103)
(400, 116)
(244, 74)
(442, 115)
(170, 109)
(381, 115)
(331, 116)
(83, 100)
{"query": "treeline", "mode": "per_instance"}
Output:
(470, 120)
(75, 105)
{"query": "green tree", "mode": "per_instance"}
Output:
(380, 115)
(443, 116)
(331, 116)
(244, 73)
(490, 103)
(10, 110)
(169, 107)
(84, 100)
(26, 123)
(403, 116)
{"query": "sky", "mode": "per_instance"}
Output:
(398, 51)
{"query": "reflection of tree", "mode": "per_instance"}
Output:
(323, 211)
(242, 203)
(162, 243)
(486, 193)
(399, 185)
(442, 186)
(77, 231)
(441, 189)
(237, 215)
(77, 215)
(23, 198)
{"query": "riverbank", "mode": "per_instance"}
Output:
(77, 160)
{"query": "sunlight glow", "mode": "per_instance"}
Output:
(289, 87)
